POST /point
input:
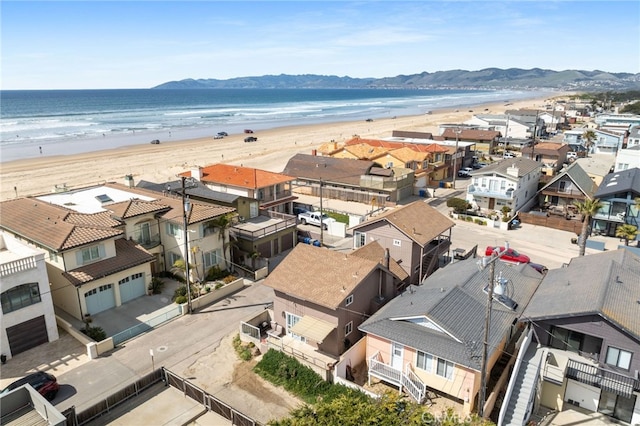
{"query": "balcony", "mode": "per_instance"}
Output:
(598, 377)
(407, 379)
(564, 193)
(267, 223)
(481, 191)
(148, 242)
(18, 265)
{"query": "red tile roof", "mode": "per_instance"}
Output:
(128, 255)
(54, 227)
(244, 177)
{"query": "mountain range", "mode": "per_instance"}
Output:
(489, 78)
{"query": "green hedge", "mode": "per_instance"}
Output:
(283, 370)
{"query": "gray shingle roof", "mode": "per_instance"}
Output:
(524, 165)
(329, 169)
(579, 177)
(605, 283)
(622, 181)
(199, 191)
(453, 298)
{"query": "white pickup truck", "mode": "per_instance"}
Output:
(313, 218)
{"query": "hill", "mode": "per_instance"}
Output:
(489, 78)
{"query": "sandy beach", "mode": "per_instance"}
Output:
(159, 163)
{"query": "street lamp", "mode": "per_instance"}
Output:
(186, 206)
(491, 261)
(455, 158)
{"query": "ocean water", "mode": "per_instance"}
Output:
(58, 122)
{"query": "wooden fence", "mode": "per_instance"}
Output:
(555, 222)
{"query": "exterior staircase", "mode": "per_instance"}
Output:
(524, 386)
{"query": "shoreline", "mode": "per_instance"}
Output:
(159, 163)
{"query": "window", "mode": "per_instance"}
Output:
(360, 238)
(90, 254)
(397, 243)
(349, 300)
(445, 369)
(173, 258)
(618, 357)
(173, 229)
(503, 185)
(20, 297)
(425, 361)
(566, 340)
(212, 258)
(348, 328)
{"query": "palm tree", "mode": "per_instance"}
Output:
(223, 223)
(589, 137)
(628, 232)
(587, 209)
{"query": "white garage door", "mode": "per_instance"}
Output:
(100, 299)
(132, 287)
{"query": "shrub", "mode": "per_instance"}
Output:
(156, 285)
(480, 222)
(96, 333)
(207, 289)
(245, 351)
(180, 300)
(300, 380)
(458, 204)
(228, 279)
(219, 285)
(468, 218)
(215, 273)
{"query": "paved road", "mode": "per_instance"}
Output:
(175, 345)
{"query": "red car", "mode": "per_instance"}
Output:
(510, 255)
(45, 383)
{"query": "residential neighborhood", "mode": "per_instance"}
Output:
(408, 290)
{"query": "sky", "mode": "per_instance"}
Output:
(141, 44)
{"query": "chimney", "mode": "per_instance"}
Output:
(196, 173)
(386, 258)
(128, 181)
(513, 170)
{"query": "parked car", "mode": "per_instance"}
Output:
(510, 255)
(250, 139)
(465, 172)
(218, 137)
(45, 383)
(508, 154)
(479, 165)
(223, 134)
(248, 131)
(155, 142)
(369, 120)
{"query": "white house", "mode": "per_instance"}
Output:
(607, 142)
(512, 182)
(509, 127)
(27, 316)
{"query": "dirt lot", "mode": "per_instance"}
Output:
(222, 374)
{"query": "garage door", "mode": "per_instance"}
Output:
(132, 287)
(100, 299)
(27, 335)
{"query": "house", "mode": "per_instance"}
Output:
(512, 183)
(361, 151)
(571, 185)
(27, 316)
(573, 137)
(627, 158)
(617, 193)
(485, 140)
(586, 318)
(268, 190)
(25, 406)
(432, 336)
(322, 296)
(597, 166)
(266, 232)
(633, 140)
(607, 142)
(617, 123)
(551, 155)
(349, 179)
(509, 127)
(416, 235)
(105, 242)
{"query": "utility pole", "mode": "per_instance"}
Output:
(535, 132)
(186, 205)
(321, 218)
(491, 261)
(455, 158)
